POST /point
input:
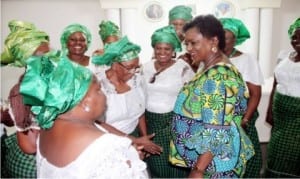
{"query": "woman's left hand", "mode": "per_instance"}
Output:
(149, 146)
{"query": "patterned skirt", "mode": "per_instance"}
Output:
(283, 150)
(159, 166)
(254, 165)
(15, 163)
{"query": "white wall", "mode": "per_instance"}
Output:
(53, 15)
(50, 16)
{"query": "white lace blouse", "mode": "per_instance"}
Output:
(287, 74)
(123, 110)
(161, 95)
(249, 68)
(106, 157)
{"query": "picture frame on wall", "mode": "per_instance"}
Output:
(224, 8)
(153, 11)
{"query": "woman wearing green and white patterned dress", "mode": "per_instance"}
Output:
(283, 159)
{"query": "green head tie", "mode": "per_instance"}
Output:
(180, 12)
(69, 30)
(237, 27)
(108, 28)
(21, 43)
(119, 51)
(52, 86)
(293, 27)
(168, 35)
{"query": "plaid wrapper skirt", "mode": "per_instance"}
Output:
(15, 163)
(159, 165)
(283, 151)
(254, 165)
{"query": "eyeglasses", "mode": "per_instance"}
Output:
(129, 69)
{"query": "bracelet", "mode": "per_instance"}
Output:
(198, 169)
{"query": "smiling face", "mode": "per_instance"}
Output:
(163, 52)
(295, 40)
(77, 44)
(197, 45)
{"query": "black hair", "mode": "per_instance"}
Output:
(209, 26)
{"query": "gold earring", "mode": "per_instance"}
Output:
(214, 49)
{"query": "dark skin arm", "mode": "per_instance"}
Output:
(269, 117)
(255, 95)
(5, 118)
(203, 161)
(27, 140)
(144, 141)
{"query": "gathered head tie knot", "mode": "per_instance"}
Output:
(23, 40)
(108, 28)
(53, 85)
(180, 12)
(237, 27)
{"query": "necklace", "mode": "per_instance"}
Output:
(233, 52)
(160, 69)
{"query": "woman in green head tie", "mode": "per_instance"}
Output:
(118, 70)
(163, 78)
(109, 32)
(75, 41)
(67, 100)
(178, 17)
(283, 150)
(23, 41)
(235, 34)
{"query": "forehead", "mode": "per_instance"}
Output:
(131, 62)
(178, 21)
(297, 31)
(192, 33)
(163, 45)
(228, 33)
(111, 38)
(77, 34)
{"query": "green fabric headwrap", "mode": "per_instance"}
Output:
(294, 27)
(53, 86)
(168, 35)
(69, 30)
(237, 27)
(21, 43)
(119, 51)
(108, 28)
(180, 12)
